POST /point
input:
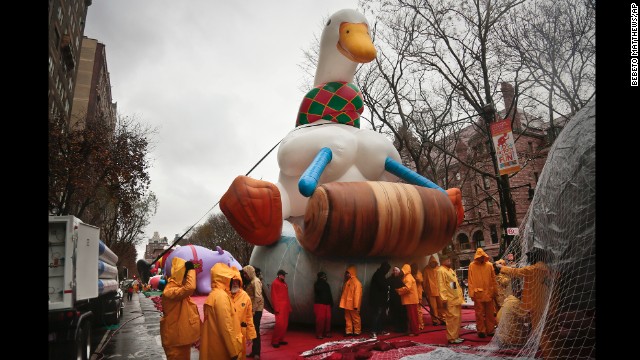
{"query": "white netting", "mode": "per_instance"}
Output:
(548, 296)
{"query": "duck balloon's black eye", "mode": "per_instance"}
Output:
(347, 31)
(328, 22)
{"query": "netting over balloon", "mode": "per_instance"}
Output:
(547, 295)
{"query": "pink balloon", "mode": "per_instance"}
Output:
(204, 259)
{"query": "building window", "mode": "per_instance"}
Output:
(463, 241)
(478, 239)
(458, 176)
(530, 147)
(535, 176)
(490, 206)
(485, 180)
(493, 229)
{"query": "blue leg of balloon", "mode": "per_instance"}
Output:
(409, 175)
(309, 180)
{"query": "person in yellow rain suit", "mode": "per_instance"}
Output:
(417, 275)
(180, 323)
(409, 298)
(431, 289)
(452, 300)
(350, 301)
(512, 318)
(244, 312)
(221, 337)
(503, 288)
(482, 290)
(537, 282)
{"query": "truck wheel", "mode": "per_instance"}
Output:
(83, 342)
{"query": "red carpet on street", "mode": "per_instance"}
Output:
(302, 343)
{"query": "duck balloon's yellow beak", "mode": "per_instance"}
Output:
(355, 42)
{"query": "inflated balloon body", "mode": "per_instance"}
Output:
(203, 260)
(155, 281)
(302, 268)
(338, 190)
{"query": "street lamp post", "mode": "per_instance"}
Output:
(507, 205)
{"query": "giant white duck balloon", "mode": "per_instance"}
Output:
(338, 191)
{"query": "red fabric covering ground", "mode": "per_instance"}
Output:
(302, 343)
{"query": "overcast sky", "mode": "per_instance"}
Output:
(219, 79)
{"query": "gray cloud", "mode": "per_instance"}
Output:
(218, 79)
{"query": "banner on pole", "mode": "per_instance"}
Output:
(505, 147)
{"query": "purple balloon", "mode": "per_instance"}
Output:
(206, 258)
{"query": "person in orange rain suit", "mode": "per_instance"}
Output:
(180, 323)
(244, 311)
(432, 291)
(221, 337)
(417, 275)
(482, 290)
(281, 308)
(409, 297)
(451, 295)
(536, 285)
(350, 301)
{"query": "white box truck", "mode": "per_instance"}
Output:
(83, 287)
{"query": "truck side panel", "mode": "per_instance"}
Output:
(87, 262)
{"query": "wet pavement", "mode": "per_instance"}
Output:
(136, 337)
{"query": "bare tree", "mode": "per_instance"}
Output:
(554, 41)
(125, 223)
(217, 231)
(436, 72)
(100, 174)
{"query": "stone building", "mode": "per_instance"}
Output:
(155, 247)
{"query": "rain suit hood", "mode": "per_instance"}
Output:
(406, 269)
(352, 270)
(221, 276)
(480, 253)
(178, 270)
(433, 260)
(250, 271)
